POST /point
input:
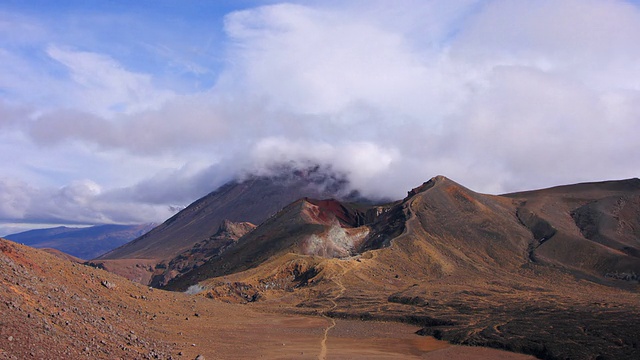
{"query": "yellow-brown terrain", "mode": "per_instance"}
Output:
(51, 308)
(466, 267)
(549, 273)
(253, 200)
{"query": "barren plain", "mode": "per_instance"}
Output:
(55, 309)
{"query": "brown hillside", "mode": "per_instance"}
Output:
(226, 236)
(449, 228)
(55, 309)
(467, 267)
(591, 228)
(252, 200)
(62, 255)
(326, 230)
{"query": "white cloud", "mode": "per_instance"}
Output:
(79, 192)
(322, 62)
(14, 198)
(361, 162)
(100, 84)
(593, 41)
(81, 202)
(499, 95)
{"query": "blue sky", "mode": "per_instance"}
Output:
(124, 111)
(180, 42)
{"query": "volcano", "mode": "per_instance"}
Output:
(529, 272)
(552, 273)
(251, 200)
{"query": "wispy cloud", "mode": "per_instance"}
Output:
(99, 84)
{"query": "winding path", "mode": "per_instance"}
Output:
(337, 280)
(323, 343)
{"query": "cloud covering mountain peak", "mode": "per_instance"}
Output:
(501, 95)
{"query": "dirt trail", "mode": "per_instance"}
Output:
(56, 309)
(411, 219)
(323, 343)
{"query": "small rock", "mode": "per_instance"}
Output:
(10, 338)
(199, 357)
(108, 285)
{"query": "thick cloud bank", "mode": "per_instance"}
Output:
(498, 95)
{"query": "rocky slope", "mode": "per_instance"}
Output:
(226, 236)
(52, 308)
(591, 228)
(536, 272)
(55, 309)
(252, 200)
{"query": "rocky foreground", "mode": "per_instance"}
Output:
(51, 308)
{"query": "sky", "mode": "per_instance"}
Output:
(126, 111)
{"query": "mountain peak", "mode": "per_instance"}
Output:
(252, 199)
(438, 179)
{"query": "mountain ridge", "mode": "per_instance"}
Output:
(461, 264)
(550, 273)
(85, 242)
(253, 199)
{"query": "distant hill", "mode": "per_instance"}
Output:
(63, 255)
(201, 252)
(84, 243)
